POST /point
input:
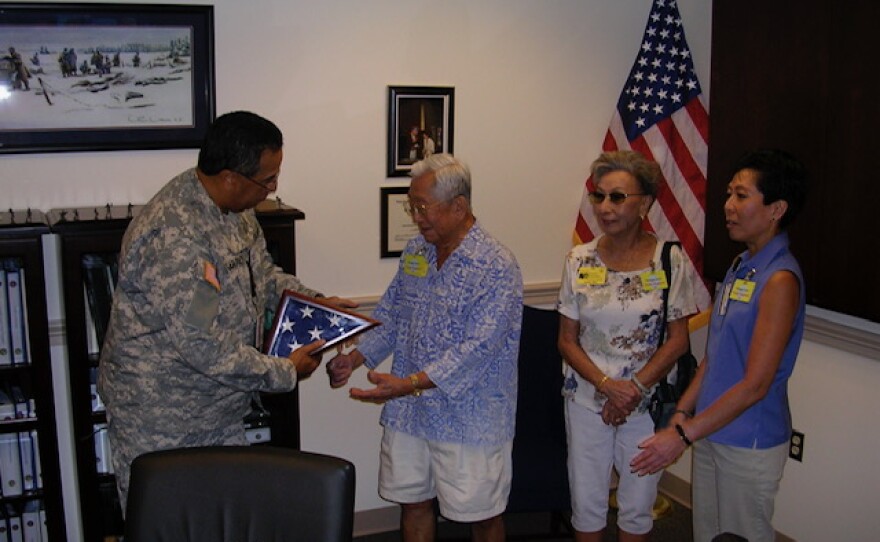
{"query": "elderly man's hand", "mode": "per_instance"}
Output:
(387, 387)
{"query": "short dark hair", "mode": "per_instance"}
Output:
(235, 141)
(780, 176)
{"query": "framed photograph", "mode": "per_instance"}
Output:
(397, 226)
(93, 77)
(420, 123)
(301, 320)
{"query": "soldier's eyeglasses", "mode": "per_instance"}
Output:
(615, 197)
(264, 184)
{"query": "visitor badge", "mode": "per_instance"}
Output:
(742, 290)
(654, 280)
(415, 265)
(591, 275)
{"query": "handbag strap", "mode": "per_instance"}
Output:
(666, 265)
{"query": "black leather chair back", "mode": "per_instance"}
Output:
(240, 494)
(540, 473)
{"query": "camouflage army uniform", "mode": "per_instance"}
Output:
(179, 365)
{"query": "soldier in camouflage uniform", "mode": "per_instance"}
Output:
(181, 361)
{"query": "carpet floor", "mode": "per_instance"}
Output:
(522, 526)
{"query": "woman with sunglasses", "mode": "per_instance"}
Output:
(610, 306)
(737, 405)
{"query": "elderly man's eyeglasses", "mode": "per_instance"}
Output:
(615, 197)
(265, 184)
(413, 209)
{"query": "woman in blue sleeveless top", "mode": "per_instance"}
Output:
(736, 410)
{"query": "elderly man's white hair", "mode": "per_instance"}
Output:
(453, 177)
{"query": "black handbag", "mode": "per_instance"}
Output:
(666, 395)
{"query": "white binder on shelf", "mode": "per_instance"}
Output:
(97, 403)
(19, 402)
(38, 466)
(30, 522)
(44, 530)
(4, 524)
(5, 332)
(10, 465)
(91, 334)
(17, 315)
(16, 533)
(103, 455)
(28, 472)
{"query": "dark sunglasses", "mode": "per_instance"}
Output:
(615, 197)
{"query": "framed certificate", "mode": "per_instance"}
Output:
(397, 226)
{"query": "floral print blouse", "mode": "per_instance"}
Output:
(619, 314)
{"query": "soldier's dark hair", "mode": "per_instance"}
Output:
(235, 142)
(780, 176)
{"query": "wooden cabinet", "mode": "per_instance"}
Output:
(795, 75)
(29, 467)
(92, 240)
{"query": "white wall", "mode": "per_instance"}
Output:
(535, 83)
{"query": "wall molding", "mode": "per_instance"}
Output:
(535, 294)
(843, 337)
(818, 329)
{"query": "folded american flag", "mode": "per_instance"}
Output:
(301, 320)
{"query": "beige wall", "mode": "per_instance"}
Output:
(535, 83)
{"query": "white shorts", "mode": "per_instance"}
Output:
(471, 483)
(593, 449)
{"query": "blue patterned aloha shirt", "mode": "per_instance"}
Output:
(619, 320)
(460, 325)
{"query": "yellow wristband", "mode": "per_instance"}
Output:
(602, 382)
(414, 379)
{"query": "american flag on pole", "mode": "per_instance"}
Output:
(301, 320)
(660, 114)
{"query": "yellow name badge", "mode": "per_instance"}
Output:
(591, 275)
(654, 280)
(415, 265)
(742, 290)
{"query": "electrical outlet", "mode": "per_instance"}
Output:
(796, 446)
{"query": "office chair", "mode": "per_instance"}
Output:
(540, 472)
(240, 494)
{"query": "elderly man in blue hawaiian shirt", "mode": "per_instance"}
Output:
(451, 318)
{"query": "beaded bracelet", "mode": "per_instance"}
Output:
(642, 388)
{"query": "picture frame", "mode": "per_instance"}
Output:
(420, 120)
(397, 226)
(106, 76)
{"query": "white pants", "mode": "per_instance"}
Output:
(593, 449)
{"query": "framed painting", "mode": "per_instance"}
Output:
(420, 123)
(93, 77)
(397, 226)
